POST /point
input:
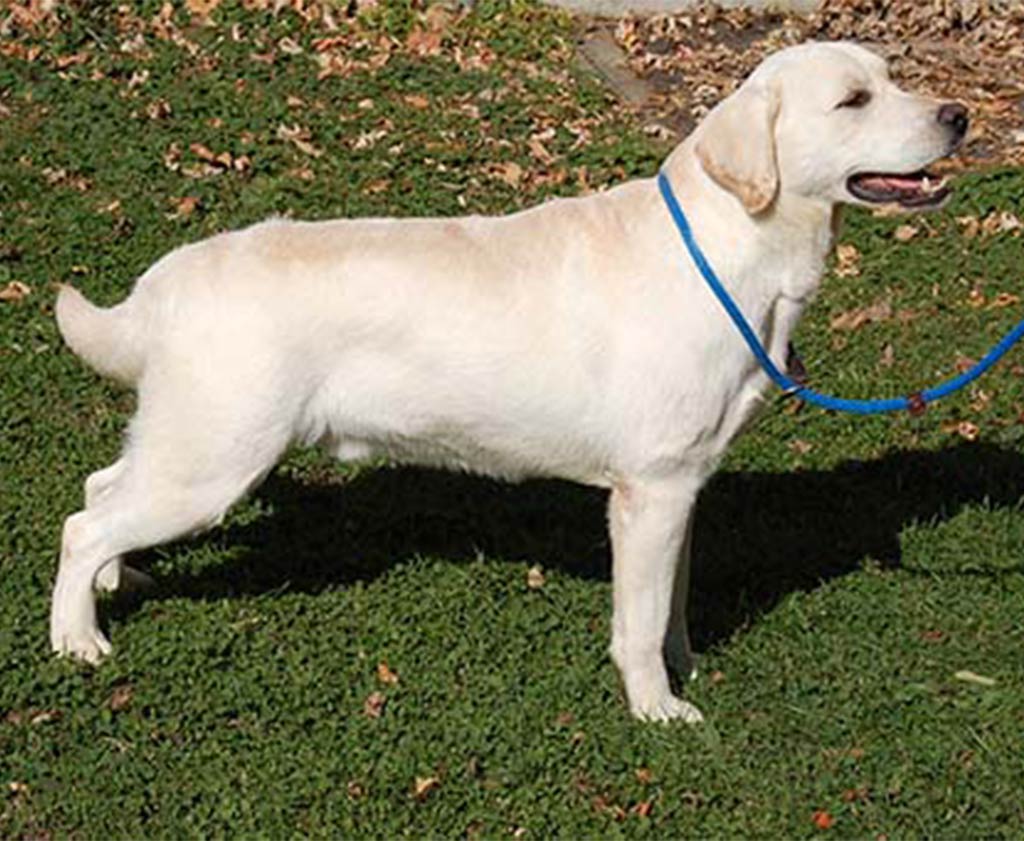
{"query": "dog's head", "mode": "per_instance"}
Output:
(824, 121)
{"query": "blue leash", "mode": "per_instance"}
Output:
(915, 403)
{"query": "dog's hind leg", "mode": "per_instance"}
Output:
(173, 482)
(115, 574)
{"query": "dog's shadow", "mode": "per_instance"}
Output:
(758, 536)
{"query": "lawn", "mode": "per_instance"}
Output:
(365, 652)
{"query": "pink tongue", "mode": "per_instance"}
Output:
(894, 182)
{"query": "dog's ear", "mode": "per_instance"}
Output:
(736, 145)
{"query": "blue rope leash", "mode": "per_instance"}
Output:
(914, 403)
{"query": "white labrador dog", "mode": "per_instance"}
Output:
(574, 340)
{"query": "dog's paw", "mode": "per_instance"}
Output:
(667, 708)
(89, 646)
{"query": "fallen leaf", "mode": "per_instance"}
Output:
(299, 137)
(847, 260)
(184, 207)
(644, 776)
(44, 716)
(856, 318)
(539, 151)
(888, 356)
(965, 429)
(535, 578)
(379, 186)
(643, 808)
(355, 789)
(423, 42)
(423, 787)
(509, 171)
(905, 233)
(15, 291)
(385, 675)
(851, 795)
(800, 447)
(121, 697)
(823, 820)
(373, 706)
(933, 635)
(1004, 299)
(417, 101)
(201, 8)
(968, 676)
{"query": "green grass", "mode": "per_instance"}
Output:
(846, 568)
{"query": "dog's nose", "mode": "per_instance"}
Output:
(954, 115)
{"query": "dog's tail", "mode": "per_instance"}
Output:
(109, 340)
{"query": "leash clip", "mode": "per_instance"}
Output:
(916, 404)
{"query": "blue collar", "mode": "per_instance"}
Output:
(915, 403)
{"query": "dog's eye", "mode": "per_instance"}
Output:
(857, 99)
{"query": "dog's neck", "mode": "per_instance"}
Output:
(795, 234)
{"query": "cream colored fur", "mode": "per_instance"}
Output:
(573, 340)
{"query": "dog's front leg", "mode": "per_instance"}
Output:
(648, 522)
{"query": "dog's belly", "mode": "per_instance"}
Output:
(509, 429)
(453, 450)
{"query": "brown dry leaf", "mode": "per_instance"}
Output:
(172, 157)
(508, 171)
(800, 447)
(822, 819)
(121, 697)
(183, 207)
(65, 61)
(1004, 299)
(15, 291)
(159, 109)
(980, 400)
(417, 101)
(385, 675)
(963, 363)
(44, 717)
(851, 795)
(373, 706)
(539, 151)
(999, 222)
(379, 186)
(356, 790)
(976, 298)
(204, 153)
(965, 429)
(857, 318)
(535, 578)
(423, 786)
(644, 776)
(201, 8)
(971, 225)
(905, 233)
(847, 260)
(888, 356)
(299, 137)
(423, 42)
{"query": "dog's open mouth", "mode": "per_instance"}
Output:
(913, 189)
